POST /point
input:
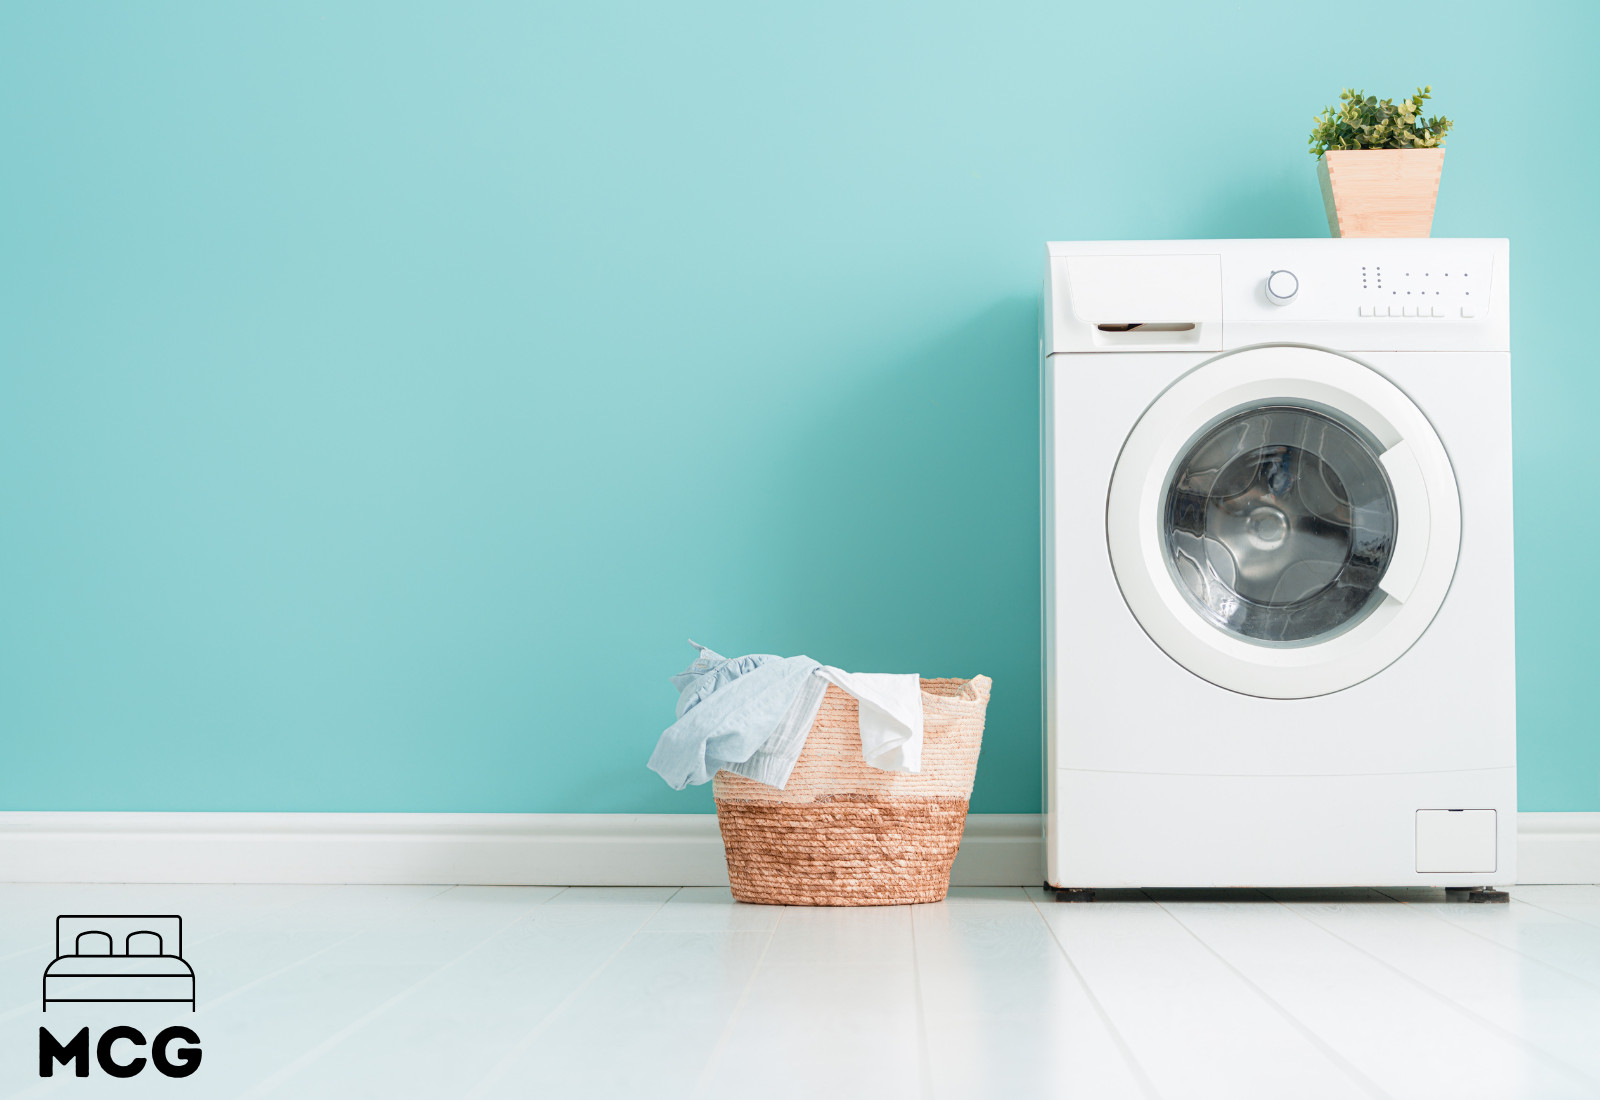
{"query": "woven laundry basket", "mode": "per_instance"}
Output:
(845, 833)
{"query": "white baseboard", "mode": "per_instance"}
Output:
(561, 849)
(558, 849)
(1554, 848)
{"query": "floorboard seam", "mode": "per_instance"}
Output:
(1443, 998)
(332, 1041)
(924, 1058)
(211, 1002)
(1427, 910)
(1139, 1075)
(1360, 1078)
(502, 1067)
(703, 1082)
(41, 945)
(1586, 923)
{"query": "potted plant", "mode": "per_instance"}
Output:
(1379, 163)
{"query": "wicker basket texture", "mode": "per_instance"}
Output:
(845, 833)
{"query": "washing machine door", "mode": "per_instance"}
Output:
(1284, 522)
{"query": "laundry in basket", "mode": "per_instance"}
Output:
(843, 833)
(831, 788)
(751, 714)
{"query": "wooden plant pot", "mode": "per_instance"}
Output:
(1380, 192)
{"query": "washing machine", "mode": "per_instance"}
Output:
(1277, 551)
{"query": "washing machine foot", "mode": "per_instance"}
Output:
(1477, 894)
(1068, 893)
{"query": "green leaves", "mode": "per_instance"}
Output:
(1361, 121)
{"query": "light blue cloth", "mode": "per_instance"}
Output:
(749, 715)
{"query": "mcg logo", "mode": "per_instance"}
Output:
(173, 1063)
(119, 958)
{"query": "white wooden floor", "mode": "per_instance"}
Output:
(425, 991)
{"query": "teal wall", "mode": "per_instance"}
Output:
(386, 390)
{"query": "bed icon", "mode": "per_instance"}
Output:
(118, 957)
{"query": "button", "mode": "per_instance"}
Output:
(1282, 286)
(1466, 311)
(1410, 311)
(1392, 311)
(1366, 311)
(1438, 311)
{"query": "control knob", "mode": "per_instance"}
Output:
(1282, 286)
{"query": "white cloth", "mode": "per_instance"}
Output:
(891, 716)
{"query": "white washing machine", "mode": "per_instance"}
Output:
(1278, 621)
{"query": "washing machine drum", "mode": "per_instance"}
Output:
(1284, 522)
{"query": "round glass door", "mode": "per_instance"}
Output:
(1283, 521)
(1279, 523)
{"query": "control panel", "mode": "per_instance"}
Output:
(1421, 289)
(1358, 281)
(1354, 294)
